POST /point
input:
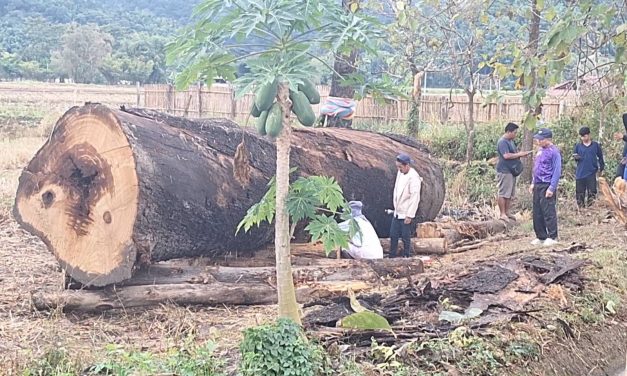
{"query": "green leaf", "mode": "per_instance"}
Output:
(365, 320)
(326, 229)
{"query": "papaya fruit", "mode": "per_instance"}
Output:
(274, 122)
(254, 111)
(302, 109)
(310, 91)
(265, 95)
(261, 123)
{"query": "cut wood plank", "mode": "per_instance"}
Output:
(325, 270)
(428, 246)
(214, 294)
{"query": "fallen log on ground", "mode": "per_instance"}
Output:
(184, 294)
(454, 232)
(429, 246)
(112, 189)
(322, 271)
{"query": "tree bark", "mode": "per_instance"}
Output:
(470, 124)
(218, 294)
(413, 123)
(114, 189)
(285, 284)
(322, 270)
(453, 232)
(534, 40)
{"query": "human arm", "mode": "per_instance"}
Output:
(556, 173)
(600, 156)
(504, 150)
(576, 154)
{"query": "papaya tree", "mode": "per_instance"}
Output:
(277, 42)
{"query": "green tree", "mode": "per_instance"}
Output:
(582, 37)
(83, 51)
(416, 47)
(277, 41)
(464, 26)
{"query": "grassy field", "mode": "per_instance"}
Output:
(206, 339)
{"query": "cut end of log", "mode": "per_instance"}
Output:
(84, 196)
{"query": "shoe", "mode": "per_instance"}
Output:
(512, 217)
(550, 242)
(537, 242)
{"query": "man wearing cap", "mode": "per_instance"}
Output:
(547, 170)
(365, 244)
(406, 198)
(589, 157)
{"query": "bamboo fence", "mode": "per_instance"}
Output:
(219, 101)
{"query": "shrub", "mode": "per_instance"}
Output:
(280, 349)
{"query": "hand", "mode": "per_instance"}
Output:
(576, 157)
(618, 136)
(548, 193)
(407, 220)
(531, 189)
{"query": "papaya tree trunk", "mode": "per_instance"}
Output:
(285, 283)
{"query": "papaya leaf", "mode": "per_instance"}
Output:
(365, 320)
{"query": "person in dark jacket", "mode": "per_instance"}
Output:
(589, 157)
(620, 171)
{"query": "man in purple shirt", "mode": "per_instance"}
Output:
(547, 170)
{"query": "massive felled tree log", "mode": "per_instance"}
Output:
(112, 189)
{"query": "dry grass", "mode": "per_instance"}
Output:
(15, 153)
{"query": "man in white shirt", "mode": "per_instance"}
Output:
(406, 200)
(365, 244)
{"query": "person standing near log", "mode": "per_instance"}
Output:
(508, 168)
(589, 157)
(365, 244)
(547, 170)
(406, 198)
(621, 171)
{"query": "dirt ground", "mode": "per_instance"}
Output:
(597, 346)
(25, 265)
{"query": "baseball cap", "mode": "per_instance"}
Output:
(404, 158)
(543, 133)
